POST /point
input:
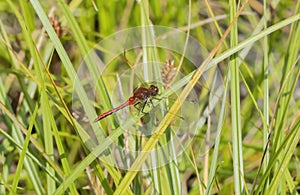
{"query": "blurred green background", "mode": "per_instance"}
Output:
(255, 147)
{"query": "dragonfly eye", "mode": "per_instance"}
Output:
(153, 90)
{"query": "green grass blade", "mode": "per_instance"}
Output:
(214, 161)
(23, 153)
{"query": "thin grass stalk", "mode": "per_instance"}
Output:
(23, 153)
(235, 108)
(214, 161)
(266, 92)
(48, 137)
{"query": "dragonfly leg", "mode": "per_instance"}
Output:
(151, 103)
(144, 107)
(138, 107)
(156, 98)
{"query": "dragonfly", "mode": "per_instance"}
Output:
(140, 95)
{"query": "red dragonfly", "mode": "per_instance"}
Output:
(140, 95)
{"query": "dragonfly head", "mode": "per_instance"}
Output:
(153, 90)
